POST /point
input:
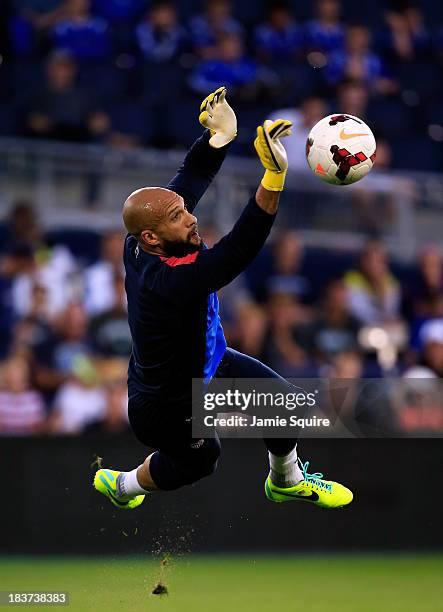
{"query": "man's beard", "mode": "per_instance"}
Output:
(179, 248)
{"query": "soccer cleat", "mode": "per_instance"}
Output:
(105, 481)
(313, 489)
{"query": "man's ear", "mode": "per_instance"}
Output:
(149, 237)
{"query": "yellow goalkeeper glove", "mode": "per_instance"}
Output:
(217, 116)
(272, 153)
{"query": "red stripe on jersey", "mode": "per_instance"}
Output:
(180, 261)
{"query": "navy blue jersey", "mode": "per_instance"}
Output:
(172, 301)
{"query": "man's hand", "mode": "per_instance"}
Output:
(272, 153)
(219, 118)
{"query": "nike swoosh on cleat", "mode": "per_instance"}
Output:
(120, 503)
(313, 497)
(111, 495)
(345, 136)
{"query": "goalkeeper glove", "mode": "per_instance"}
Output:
(219, 118)
(272, 153)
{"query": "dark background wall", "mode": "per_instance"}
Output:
(49, 506)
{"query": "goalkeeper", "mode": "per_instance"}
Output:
(171, 285)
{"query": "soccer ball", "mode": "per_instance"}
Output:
(340, 149)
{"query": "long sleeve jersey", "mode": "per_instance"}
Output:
(172, 302)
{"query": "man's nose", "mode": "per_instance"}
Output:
(192, 220)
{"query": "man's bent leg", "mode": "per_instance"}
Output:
(284, 469)
(138, 481)
(144, 478)
(179, 459)
(287, 481)
(184, 463)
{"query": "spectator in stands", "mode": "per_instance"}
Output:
(13, 264)
(384, 155)
(335, 329)
(55, 270)
(287, 257)
(61, 110)
(22, 228)
(113, 374)
(206, 28)
(117, 12)
(160, 37)
(234, 299)
(423, 295)
(353, 98)
(29, 26)
(278, 39)
(22, 409)
(80, 401)
(346, 365)
(420, 295)
(363, 406)
(54, 357)
(283, 349)
(345, 370)
(325, 33)
(375, 200)
(34, 328)
(358, 62)
(439, 42)
(311, 110)
(431, 337)
(373, 292)
(405, 36)
(249, 329)
(82, 35)
(99, 279)
(418, 407)
(109, 331)
(230, 66)
(115, 418)
(50, 268)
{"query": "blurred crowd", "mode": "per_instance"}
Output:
(129, 72)
(65, 341)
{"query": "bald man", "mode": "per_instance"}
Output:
(171, 285)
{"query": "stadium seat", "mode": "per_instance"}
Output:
(182, 132)
(433, 11)
(435, 112)
(8, 120)
(161, 82)
(41, 6)
(188, 9)
(302, 10)
(105, 80)
(248, 120)
(320, 265)
(390, 116)
(131, 119)
(27, 78)
(118, 12)
(421, 76)
(6, 82)
(364, 11)
(84, 244)
(418, 153)
(4, 236)
(298, 81)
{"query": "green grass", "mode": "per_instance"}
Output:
(254, 583)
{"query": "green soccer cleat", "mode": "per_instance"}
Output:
(313, 489)
(105, 481)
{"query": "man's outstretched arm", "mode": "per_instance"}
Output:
(207, 154)
(210, 269)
